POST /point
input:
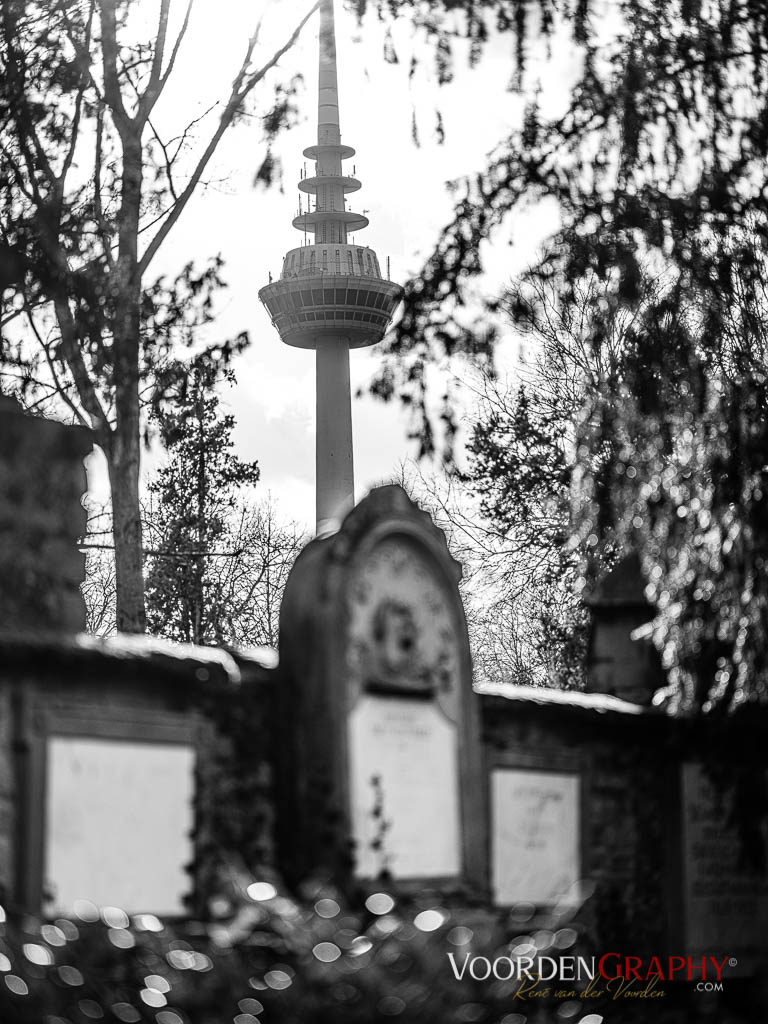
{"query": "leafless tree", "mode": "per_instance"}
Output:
(91, 193)
(244, 576)
(99, 587)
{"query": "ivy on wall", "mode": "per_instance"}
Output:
(235, 798)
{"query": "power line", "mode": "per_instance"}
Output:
(169, 554)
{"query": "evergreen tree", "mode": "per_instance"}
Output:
(192, 501)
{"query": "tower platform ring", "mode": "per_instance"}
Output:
(309, 221)
(306, 310)
(343, 152)
(311, 185)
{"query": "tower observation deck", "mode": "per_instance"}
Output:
(331, 295)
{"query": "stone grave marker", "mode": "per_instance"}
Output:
(380, 756)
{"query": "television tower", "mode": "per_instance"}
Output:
(330, 296)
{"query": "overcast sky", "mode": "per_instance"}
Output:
(403, 192)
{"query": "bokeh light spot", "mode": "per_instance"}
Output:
(114, 917)
(326, 952)
(249, 1005)
(391, 1006)
(564, 938)
(37, 954)
(523, 947)
(379, 903)
(148, 923)
(429, 920)
(69, 929)
(90, 1008)
(261, 891)
(181, 959)
(387, 925)
(70, 975)
(522, 911)
(285, 908)
(126, 1013)
(168, 1017)
(277, 979)
(327, 908)
(220, 906)
(360, 945)
(86, 910)
(568, 1010)
(157, 982)
(53, 935)
(460, 936)
(152, 997)
(16, 985)
(121, 938)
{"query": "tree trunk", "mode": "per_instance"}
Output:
(124, 462)
(126, 439)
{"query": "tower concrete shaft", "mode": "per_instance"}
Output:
(334, 461)
(334, 472)
(331, 295)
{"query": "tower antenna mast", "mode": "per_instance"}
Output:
(331, 296)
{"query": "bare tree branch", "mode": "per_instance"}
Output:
(109, 49)
(176, 47)
(242, 86)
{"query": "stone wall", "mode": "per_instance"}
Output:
(622, 813)
(140, 690)
(42, 481)
(7, 864)
(631, 760)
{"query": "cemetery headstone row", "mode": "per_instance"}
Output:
(132, 769)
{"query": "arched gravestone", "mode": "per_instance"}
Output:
(378, 752)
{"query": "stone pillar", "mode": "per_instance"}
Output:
(617, 664)
(42, 481)
(334, 475)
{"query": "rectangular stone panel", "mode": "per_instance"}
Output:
(118, 821)
(535, 836)
(410, 749)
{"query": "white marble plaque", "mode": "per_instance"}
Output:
(410, 748)
(117, 823)
(726, 906)
(534, 836)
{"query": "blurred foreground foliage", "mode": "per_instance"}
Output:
(267, 956)
(264, 956)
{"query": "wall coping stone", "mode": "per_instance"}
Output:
(599, 703)
(149, 657)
